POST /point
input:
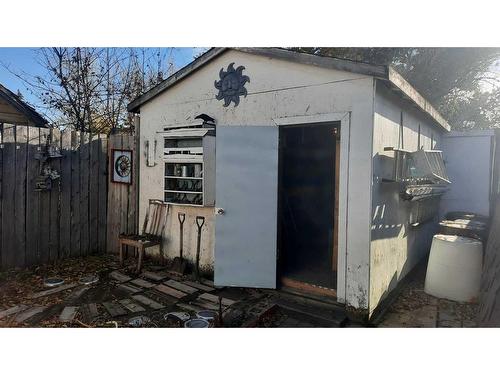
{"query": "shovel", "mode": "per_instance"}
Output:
(200, 220)
(179, 264)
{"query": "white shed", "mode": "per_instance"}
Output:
(296, 180)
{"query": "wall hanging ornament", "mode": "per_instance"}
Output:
(122, 166)
(231, 85)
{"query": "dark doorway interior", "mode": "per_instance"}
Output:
(307, 204)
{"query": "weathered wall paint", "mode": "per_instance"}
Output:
(277, 89)
(396, 247)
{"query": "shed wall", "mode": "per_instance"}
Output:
(469, 163)
(396, 247)
(277, 89)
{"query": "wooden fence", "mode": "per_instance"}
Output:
(489, 301)
(69, 220)
(122, 198)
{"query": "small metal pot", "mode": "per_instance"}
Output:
(196, 323)
(208, 315)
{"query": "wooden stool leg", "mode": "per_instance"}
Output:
(121, 253)
(141, 255)
(162, 256)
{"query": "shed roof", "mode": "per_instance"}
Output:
(19, 108)
(382, 72)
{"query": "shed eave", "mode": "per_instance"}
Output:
(381, 72)
(401, 85)
(134, 106)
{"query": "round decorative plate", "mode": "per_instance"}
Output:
(123, 166)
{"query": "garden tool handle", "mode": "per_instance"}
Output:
(181, 217)
(198, 220)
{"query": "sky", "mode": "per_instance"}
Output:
(24, 60)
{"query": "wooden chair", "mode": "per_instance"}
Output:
(152, 231)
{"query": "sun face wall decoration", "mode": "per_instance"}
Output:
(122, 166)
(231, 85)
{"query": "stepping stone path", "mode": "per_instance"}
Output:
(170, 291)
(76, 294)
(12, 310)
(88, 312)
(114, 309)
(206, 305)
(215, 299)
(186, 306)
(68, 314)
(199, 286)
(130, 305)
(118, 276)
(142, 283)
(180, 286)
(129, 288)
(148, 302)
(154, 276)
(27, 314)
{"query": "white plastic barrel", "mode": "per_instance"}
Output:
(454, 268)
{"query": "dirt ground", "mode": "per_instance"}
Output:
(414, 308)
(119, 297)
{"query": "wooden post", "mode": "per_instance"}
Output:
(65, 228)
(9, 193)
(103, 191)
(75, 194)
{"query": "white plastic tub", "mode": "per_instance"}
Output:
(454, 268)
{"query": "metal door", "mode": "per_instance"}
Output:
(247, 190)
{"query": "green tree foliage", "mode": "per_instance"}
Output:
(462, 83)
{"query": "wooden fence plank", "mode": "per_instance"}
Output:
(102, 191)
(8, 197)
(38, 227)
(94, 194)
(131, 191)
(124, 190)
(44, 213)
(75, 194)
(32, 197)
(122, 200)
(20, 198)
(65, 222)
(55, 214)
(114, 201)
(84, 193)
